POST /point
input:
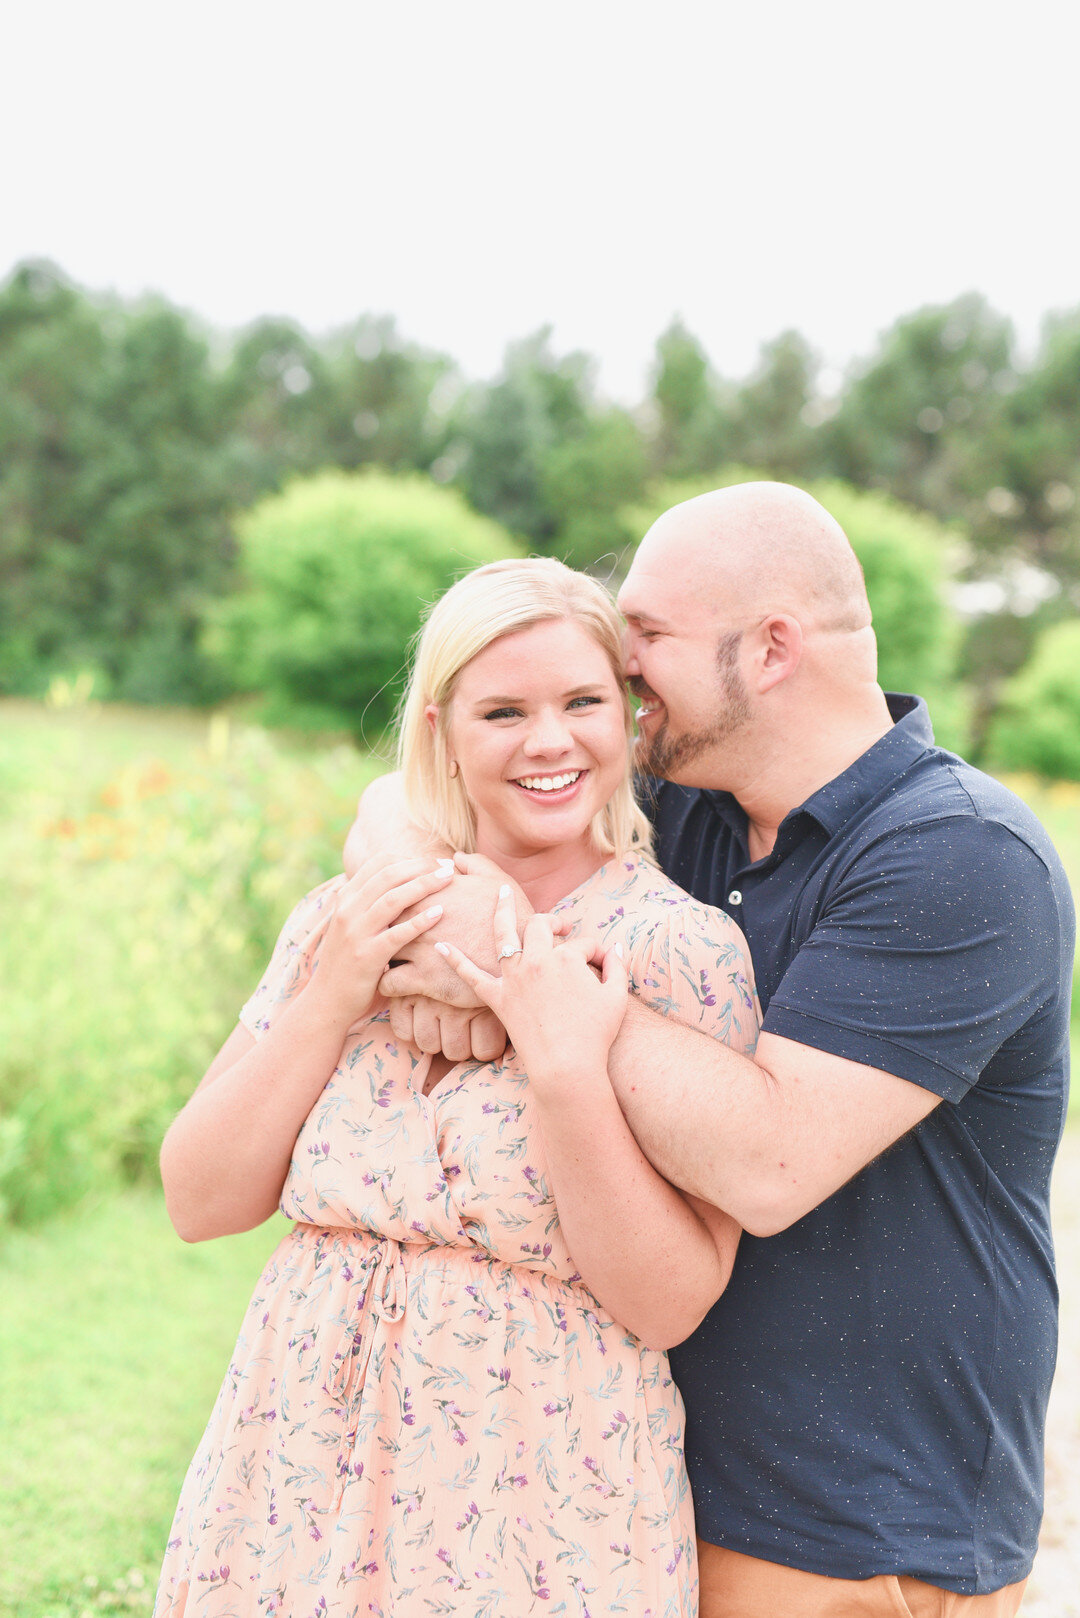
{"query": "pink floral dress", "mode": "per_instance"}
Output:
(427, 1414)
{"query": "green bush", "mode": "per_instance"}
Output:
(150, 865)
(335, 571)
(905, 558)
(1038, 722)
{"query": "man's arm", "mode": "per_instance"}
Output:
(766, 1138)
(430, 1007)
(931, 952)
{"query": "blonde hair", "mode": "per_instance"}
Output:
(490, 602)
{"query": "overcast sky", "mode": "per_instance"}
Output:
(478, 169)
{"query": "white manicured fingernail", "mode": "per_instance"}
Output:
(436, 910)
(444, 864)
(618, 951)
(504, 891)
(442, 949)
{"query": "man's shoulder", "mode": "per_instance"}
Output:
(943, 790)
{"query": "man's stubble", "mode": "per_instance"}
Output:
(667, 755)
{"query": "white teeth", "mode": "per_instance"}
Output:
(548, 783)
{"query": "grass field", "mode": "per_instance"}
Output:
(114, 1336)
(150, 859)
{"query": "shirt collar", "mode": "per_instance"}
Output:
(833, 805)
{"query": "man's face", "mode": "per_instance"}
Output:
(684, 666)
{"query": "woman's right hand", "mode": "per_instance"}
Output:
(364, 934)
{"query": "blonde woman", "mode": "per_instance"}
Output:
(450, 1393)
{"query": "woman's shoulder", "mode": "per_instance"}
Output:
(624, 896)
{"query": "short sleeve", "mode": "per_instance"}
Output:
(935, 946)
(693, 964)
(290, 964)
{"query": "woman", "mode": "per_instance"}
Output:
(433, 1408)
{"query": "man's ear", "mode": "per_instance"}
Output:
(779, 650)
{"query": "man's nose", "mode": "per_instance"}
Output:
(630, 658)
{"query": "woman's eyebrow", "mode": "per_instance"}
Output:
(506, 702)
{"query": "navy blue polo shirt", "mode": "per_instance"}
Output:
(868, 1396)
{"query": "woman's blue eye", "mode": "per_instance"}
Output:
(586, 702)
(503, 713)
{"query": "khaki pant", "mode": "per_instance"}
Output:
(737, 1586)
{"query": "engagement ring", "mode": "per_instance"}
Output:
(508, 950)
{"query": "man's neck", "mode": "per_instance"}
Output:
(792, 774)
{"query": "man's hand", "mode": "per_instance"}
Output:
(468, 908)
(430, 1007)
(463, 1035)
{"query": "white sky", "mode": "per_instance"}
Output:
(478, 168)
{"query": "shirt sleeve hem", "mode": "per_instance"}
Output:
(857, 1045)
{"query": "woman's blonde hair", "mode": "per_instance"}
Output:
(490, 602)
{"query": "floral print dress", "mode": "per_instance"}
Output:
(427, 1414)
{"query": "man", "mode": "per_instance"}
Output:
(866, 1402)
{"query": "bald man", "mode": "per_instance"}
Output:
(865, 1403)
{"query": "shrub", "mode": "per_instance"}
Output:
(1038, 722)
(336, 570)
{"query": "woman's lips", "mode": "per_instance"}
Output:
(552, 794)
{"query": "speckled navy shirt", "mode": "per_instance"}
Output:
(869, 1394)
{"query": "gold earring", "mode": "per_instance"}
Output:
(453, 768)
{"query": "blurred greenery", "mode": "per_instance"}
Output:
(1038, 723)
(133, 441)
(334, 571)
(151, 859)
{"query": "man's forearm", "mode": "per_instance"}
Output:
(697, 1109)
(764, 1138)
(382, 827)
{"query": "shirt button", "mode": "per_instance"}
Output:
(734, 897)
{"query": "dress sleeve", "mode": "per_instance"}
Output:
(290, 964)
(693, 964)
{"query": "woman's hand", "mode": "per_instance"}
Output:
(364, 932)
(560, 1015)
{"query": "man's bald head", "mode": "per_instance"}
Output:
(757, 548)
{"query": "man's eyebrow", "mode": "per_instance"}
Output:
(646, 618)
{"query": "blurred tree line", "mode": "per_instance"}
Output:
(131, 440)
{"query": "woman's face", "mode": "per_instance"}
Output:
(538, 734)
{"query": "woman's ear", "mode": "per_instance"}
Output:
(431, 714)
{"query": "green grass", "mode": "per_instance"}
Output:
(114, 1336)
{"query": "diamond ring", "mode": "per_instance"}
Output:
(508, 950)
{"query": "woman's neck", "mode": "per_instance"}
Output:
(549, 874)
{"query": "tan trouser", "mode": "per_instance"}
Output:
(737, 1586)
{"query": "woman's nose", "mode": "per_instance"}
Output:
(549, 734)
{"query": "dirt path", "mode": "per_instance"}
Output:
(1054, 1591)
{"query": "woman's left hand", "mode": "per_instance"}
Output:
(560, 1015)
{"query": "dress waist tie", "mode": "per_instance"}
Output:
(383, 1295)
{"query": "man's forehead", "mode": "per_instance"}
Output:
(660, 601)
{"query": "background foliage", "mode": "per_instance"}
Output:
(132, 442)
(333, 572)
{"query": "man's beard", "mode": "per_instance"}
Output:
(668, 755)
